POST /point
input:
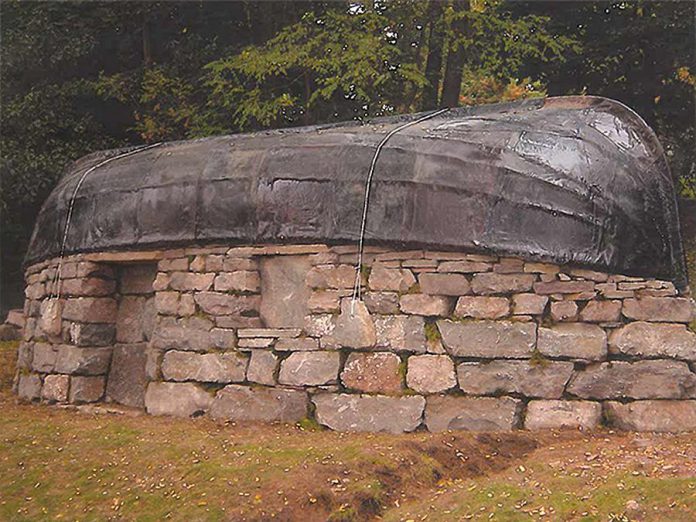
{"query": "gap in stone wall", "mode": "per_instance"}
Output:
(127, 380)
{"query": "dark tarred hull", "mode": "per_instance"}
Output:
(578, 180)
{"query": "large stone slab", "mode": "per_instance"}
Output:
(243, 403)
(372, 372)
(574, 341)
(400, 333)
(658, 309)
(545, 380)
(76, 360)
(642, 339)
(239, 281)
(127, 379)
(310, 368)
(189, 281)
(601, 311)
(178, 399)
(372, 413)
(181, 337)
(430, 373)
(208, 367)
(444, 413)
(529, 304)
(659, 379)
(129, 319)
(284, 293)
(661, 416)
(488, 339)
(44, 357)
(543, 415)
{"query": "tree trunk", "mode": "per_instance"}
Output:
(452, 83)
(433, 66)
(147, 44)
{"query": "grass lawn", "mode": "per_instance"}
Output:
(61, 464)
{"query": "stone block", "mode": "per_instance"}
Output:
(15, 318)
(655, 379)
(232, 264)
(382, 302)
(488, 339)
(92, 269)
(44, 360)
(172, 265)
(189, 281)
(426, 305)
(91, 310)
(370, 413)
(25, 354)
(330, 276)
(310, 368)
(51, 315)
(482, 307)
(493, 283)
(564, 310)
(529, 304)
(87, 287)
(243, 403)
(179, 337)
(167, 303)
(161, 282)
(225, 304)
(464, 267)
(601, 311)
(373, 372)
(92, 334)
(86, 389)
(400, 333)
(391, 279)
(563, 287)
(224, 338)
(659, 416)
(9, 333)
(353, 328)
(542, 415)
(187, 305)
(658, 309)
(29, 386)
(544, 380)
(430, 373)
(443, 413)
(55, 388)
(77, 360)
(324, 301)
(208, 367)
(262, 367)
(239, 321)
(240, 281)
(573, 341)
(509, 265)
(177, 399)
(648, 340)
(444, 284)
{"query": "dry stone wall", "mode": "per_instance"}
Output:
(440, 340)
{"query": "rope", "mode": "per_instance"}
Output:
(55, 294)
(357, 292)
